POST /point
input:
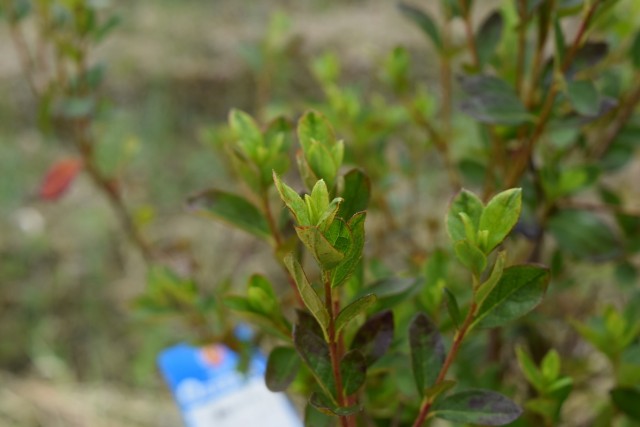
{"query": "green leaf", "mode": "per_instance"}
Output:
(487, 286)
(518, 291)
(453, 307)
(432, 392)
(530, 370)
(315, 353)
(322, 162)
(488, 37)
(353, 369)
(247, 131)
(261, 295)
(316, 418)
(584, 235)
(317, 202)
(324, 405)
(470, 256)
(427, 351)
(478, 407)
(293, 201)
(491, 100)
(232, 209)
(354, 309)
(500, 216)
(352, 257)
(327, 256)
(393, 290)
(275, 326)
(464, 202)
(309, 296)
(375, 336)
(356, 192)
(313, 126)
(584, 97)
(550, 366)
(626, 399)
(424, 22)
(282, 368)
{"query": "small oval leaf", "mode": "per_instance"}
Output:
(427, 351)
(478, 407)
(282, 368)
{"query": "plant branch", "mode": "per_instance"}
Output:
(333, 306)
(455, 347)
(522, 159)
(625, 111)
(522, 44)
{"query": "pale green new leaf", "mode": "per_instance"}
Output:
(293, 201)
(309, 296)
(500, 216)
(464, 202)
(327, 256)
(247, 131)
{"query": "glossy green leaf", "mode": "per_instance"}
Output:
(354, 253)
(356, 192)
(311, 299)
(425, 22)
(427, 351)
(500, 216)
(478, 407)
(470, 256)
(374, 337)
(488, 37)
(626, 399)
(353, 370)
(492, 100)
(293, 201)
(584, 235)
(354, 309)
(232, 209)
(325, 254)
(314, 351)
(584, 97)
(518, 291)
(282, 368)
(464, 202)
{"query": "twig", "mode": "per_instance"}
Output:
(522, 160)
(455, 347)
(625, 111)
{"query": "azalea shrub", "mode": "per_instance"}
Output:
(461, 248)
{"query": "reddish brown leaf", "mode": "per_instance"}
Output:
(59, 178)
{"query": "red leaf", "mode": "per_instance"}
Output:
(59, 178)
